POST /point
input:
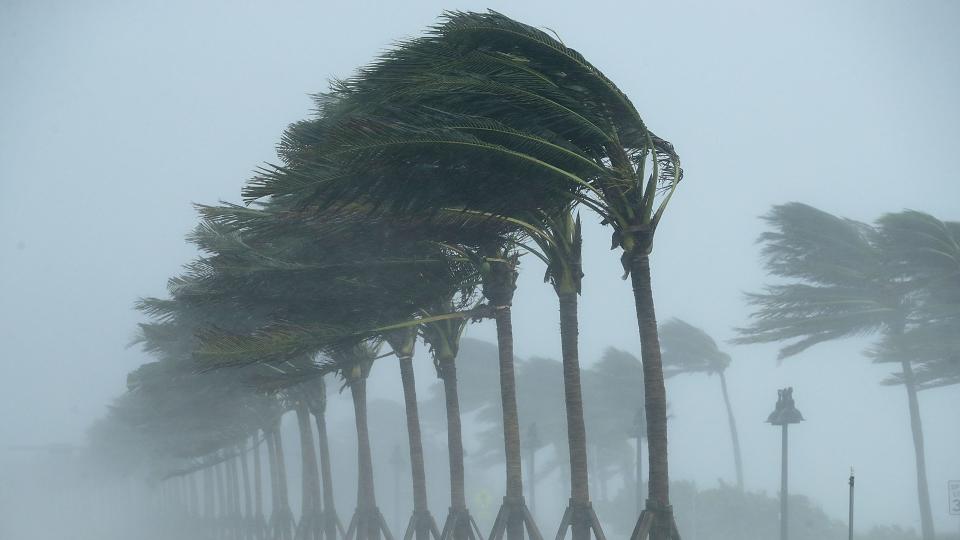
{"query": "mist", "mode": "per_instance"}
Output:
(118, 117)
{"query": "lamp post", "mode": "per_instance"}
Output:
(850, 519)
(784, 414)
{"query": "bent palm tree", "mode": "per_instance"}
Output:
(688, 349)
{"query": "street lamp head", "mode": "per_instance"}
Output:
(785, 412)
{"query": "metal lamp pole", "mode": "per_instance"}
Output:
(850, 521)
(784, 413)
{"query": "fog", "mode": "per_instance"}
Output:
(116, 116)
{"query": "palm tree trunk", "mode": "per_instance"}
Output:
(448, 374)
(508, 400)
(576, 430)
(367, 512)
(247, 500)
(310, 476)
(655, 400)
(916, 427)
(417, 468)
(285, 514)
(274, 483)
(257, 490)
(737, 459)
(365, 491)
(329, 508)
(511, 421)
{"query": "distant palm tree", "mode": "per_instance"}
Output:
(927, 252)
(845, 278)
(688, 350)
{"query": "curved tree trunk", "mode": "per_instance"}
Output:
(655, 401)
(286, 515)
(310, 476)
(448, 374)
(367, 520)
(916, 427)
(366, 496)
(576, 430)
(330, 519)
(511, 421)
(737, 458)
(417, 469)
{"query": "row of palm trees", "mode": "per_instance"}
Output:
(399, 211)
(926, 273)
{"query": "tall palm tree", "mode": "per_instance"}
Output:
(310, 524)
(317, 403)
(687, 350)
(499, 283)
(422, 524)
(443, 339)
(843, 280)
(353, 365)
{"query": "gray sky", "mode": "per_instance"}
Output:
(115, 116)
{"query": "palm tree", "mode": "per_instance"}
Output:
(687, 350)
(927, 251)
(316, 399)
(443, 339)
(353, 365)
(310, 525)
(498, 263)
(845, 279)
(422, 524)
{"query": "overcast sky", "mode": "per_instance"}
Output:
(115, 116)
